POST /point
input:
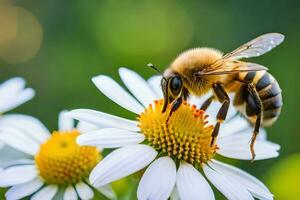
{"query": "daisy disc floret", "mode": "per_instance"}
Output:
(62, 161)
(186, 135)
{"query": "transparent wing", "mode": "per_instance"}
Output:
(256, 47)
(232, 68)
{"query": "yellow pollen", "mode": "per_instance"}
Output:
(62, 161)
(186, 136)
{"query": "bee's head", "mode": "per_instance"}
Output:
(171, 84)
(172, 87)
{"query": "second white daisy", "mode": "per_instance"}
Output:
(53, 161)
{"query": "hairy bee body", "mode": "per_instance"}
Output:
(200, 70)
(269, 92)
(194, 60)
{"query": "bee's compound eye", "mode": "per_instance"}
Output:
(176, 84)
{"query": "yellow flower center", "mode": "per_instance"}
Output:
(186, 136)
(62, 161)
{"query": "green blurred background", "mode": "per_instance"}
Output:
(57, 46)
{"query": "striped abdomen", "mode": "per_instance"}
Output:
(269, 92)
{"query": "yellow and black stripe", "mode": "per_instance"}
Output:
(269, 92)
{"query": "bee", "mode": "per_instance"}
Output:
(257, 94)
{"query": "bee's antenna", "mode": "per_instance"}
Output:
(156, 69)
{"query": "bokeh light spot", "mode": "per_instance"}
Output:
(284, 178)
(20, 34)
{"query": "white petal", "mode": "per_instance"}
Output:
(47, 193)
(22, 190)
(232, 109)
(9, 90)
(84, 191)
(137, 86)
(19, 99)
(256, 187)
(70, 193)
(241, 137)
(247, 132)
(21, 161)
(11, 85)
(174, 194)
(232, 112)
(262, 134)
(230, 188)
(244, 154)
(107, 191)
(110, 138)
(215, 106)
(237, 146)
(9, 156)
(30, 126)
(158, 180)
(212, 112)
(103, 119)
(198, 101)
(65, 122)
(83, 127)
(237, 124)
(155, 84)
(16, 139)
(122, 162)
(17, 175)
(116, 93)
(191, 185)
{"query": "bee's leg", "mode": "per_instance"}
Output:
(175, 105)
(253, 108)
(223, 97)
(207, 103)
(255, 133)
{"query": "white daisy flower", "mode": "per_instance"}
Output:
(176, 152)
(55, 161)
(12, 94)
